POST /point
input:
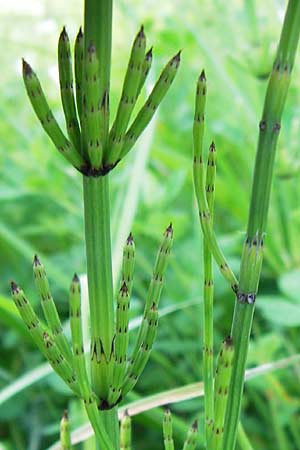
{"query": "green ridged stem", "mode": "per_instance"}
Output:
(29, 317)
(89, 398)
(128, 262)
(222, 380)
(98, 32)
(92, 136)
(120, 343)
(156, 284)
(128, 99)
(159, 91)
(59, 363)
(145, 70)
(208, 295)
(77, 339)
(49, 309)
(42, 338)
(199, 183)
(65, 433)
(192, 437)
(137, 365)
(125, 432)
(168, 430)
(65, 70)
(262, 179)
(44, 114)
(78, 66)
(99, 271)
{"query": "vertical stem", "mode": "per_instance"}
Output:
(98, 30)
(253, 247)
(99, 266)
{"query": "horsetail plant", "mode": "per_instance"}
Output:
(125, 432)
(94, 149)
(168, 430)
(251, 261)
(191, 437)
(221, 387)
(65, 434)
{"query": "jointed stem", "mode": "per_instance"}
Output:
(260, 198)
(99, 271)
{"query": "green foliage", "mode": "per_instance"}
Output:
(41, 212)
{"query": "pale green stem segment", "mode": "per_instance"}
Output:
(145, 70)
(65, 433)
(222, 380)
(192, 437)
(125, 432)
(98, 32)
(89, 398)
(168, 430)
(156, 285)
(253, 247)
(92, 139)
(77, 339)
(44, 114)
(137, 365)
(199, 184)
(128, 98)
(42, 338)
(29, 317)
(49, 309)
(99, 271)
(65, 70)
(128, 262)
(59, 363)
(208, 293)
(120, 343)
(78, 59)
(146, 113)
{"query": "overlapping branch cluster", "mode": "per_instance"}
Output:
(69, 363)
(88, 147)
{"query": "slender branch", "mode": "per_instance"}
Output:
(269, 128)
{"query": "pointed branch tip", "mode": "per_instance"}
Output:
(148, 55)
(202, 76)
(141, 33)
(75, 278)
(79, 34)
(195, 425)
(36, 260)
(177, 56)
(228, 341)
(65, 415)
(27, 70)
(14, 287)
(129, 239)
(64, 34)
(212, 147)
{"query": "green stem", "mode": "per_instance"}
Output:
(98, 31)
(260, 198)
(99, 272)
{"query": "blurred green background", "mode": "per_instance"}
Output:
(41, 208)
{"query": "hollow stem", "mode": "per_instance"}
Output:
(269, 128)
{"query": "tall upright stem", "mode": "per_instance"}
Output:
(259, 205)
(98, 31)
